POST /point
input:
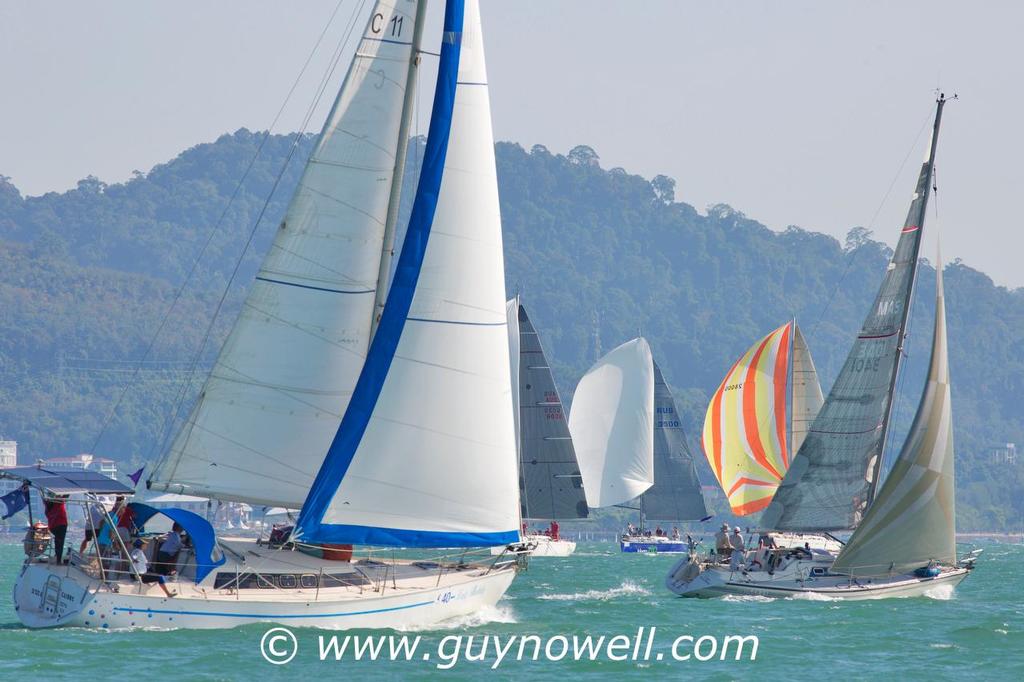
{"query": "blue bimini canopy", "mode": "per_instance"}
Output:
(204, 539)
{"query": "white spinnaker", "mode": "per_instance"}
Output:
(612, 425)
(276, 395)
(807, 396)
(512, 317)
(439, 453)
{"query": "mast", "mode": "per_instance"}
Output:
(394, 200)
(915, 220)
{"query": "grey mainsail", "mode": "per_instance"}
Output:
(912, 520)
(832, 478)
(676, 493)
(549, 475)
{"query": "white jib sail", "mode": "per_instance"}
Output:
(807, 395)
(283, 379)
(438, 454)
(612, 425)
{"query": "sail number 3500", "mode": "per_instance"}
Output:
(378, 25)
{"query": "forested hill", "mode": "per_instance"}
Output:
(87, 275)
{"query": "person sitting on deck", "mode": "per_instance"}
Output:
(141, 565)
(659, 532)
(553, 530)
(167, 553)
(675, 533)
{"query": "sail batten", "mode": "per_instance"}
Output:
(283, 378)
(834, 475)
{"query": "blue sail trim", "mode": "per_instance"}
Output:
(399, 537)
(396, 309)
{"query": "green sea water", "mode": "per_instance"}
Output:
(974, 633)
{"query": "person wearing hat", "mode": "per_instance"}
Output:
(722, 545)
(141, 565)
(738, 547)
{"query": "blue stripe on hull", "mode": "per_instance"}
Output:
(659, 547)
(274, 616)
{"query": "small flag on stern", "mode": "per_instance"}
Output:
(15, 501)
(137, 475)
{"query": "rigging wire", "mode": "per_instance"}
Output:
(209, 238)
(167, 429)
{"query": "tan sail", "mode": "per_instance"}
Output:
(911, 521)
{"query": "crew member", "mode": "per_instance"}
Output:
(57, 522)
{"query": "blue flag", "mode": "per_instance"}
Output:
(15, 501)
(137, 475)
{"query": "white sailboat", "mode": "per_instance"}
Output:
(629, 439)
(904, 538)
(550, 485)
(346, 397)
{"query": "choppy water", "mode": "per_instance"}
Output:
(975, 633)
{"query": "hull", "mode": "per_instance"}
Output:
(653, 546)
(53, 596)
(543, 546)
(799, 582)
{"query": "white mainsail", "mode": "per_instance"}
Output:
(912, 520)
(612, 425)
(807, 397)
(284, 377)
(425, 455)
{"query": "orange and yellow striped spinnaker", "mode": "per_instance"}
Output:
(745, 427)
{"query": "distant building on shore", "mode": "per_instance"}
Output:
(8, 458)
(107, 467)
(1004, 454)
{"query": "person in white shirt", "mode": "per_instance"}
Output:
(167, 553)
(141, 566)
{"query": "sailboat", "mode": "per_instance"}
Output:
(903, 543)
(345, 397)
(759, 415)
(550, 485)
(632, 449)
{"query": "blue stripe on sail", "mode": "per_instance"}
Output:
(396, 308)
(399, 537)
(306, 286)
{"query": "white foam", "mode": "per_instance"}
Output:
(813, 596)
(747, 598)
(627, 588)
(485, 616)
(940, 592)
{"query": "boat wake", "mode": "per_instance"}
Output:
(485, 616)
(747, 598)
(627, 588)
(940, 592)
(812, 596)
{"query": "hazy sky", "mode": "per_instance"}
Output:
(792, 112)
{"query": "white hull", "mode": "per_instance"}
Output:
(408, 596)
(797, 581)
(543, 546)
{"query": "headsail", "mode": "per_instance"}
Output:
(745, 427)
(805, 390)
(275, 397)
(676, 493)
(912, 519)
(425, 454)
(550, 485)
(833, 476)
(612, 425)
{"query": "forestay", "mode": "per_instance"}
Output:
(612, 425)
(550, 485)
(832, 478)
(912, 519)
(425, 455)
(284, 377)
(676, 493)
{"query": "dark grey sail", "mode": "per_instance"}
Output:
(676, 493)
(832, 479)
(549, 475)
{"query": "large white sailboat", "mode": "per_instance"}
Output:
(382, 410)
(550, 484)
(904, 538)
